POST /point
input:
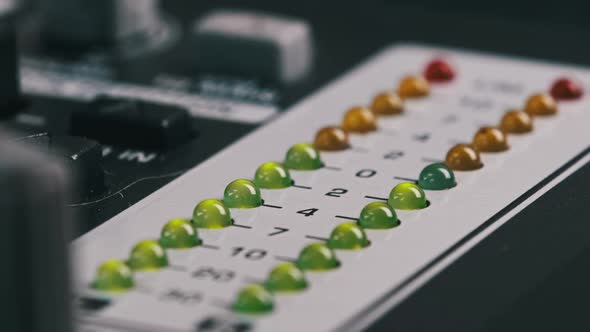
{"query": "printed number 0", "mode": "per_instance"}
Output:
(366, 173)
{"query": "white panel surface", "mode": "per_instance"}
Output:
(484, 88)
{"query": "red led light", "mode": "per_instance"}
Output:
(566, 89)
(439, 71)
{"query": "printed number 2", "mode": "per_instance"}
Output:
(337, 192)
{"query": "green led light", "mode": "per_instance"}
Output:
(273, 175)
(407, 196)
(317, 257)
(253, 299)
(242, 194)
(179, 234)
(437, 177)
(147, 255)
(113, 276)
(378, 215)
(303, 157)
(286, 277)
(211, 214)
(348, 236)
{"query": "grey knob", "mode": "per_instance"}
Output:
(253, 44)
(35, 234)
(98, 22)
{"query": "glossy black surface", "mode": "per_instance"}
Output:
(133, 123)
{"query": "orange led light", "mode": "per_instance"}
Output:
(516, 122)
(540, 105)
(387, 103)
(463, 157)
(413, 87)
(490, 139)
(359, 120)
(331, 139)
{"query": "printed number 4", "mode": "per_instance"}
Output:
(308, 212)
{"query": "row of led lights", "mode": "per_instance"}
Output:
(149, 255)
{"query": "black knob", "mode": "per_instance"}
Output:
(103, 23)
(35, 233)
(9, 73)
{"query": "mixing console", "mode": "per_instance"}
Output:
(262, 166)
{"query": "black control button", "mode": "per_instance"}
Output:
(133, 123)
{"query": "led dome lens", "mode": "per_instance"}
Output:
(272, 175)
(413, 87)
(437, 176)
(211, 214)
(317, 257)
(378, 215)
(516, 122)
(439, 71)
(387, 103)
(331, 139)
(490, 139)
(541, 105)
(348, 236)
(179, 234)
(242, 194)
(566, 89)
(113, 276)
(407, 196)
(286, 277)
(253, 299)
(463, 157)
(303, 157)
(148, 255)
(359, 120)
